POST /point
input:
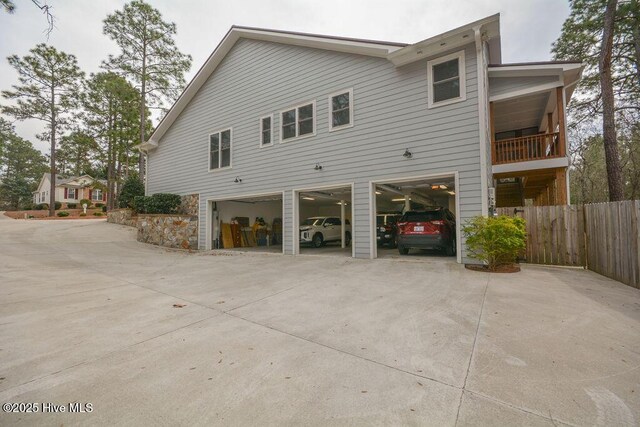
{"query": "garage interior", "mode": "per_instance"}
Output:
(333, 203)
(248, 224)
(400, 196)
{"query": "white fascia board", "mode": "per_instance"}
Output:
(558, 162)
(446, 41)
(532, 70)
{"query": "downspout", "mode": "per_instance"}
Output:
(482, 119)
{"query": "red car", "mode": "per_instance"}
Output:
(433, 228)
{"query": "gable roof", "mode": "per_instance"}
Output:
(398, 53)
(62, 180)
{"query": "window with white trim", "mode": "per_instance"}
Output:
(96, 195)
(446, 78)
(298, 122)
(220, 150)
(341, 110)
(71, 193)
(266, 131)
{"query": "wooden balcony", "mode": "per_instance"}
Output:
(527, 148)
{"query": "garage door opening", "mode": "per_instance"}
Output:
(416, 218)
(324, 221)
(251, 224)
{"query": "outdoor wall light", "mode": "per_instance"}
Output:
(318, 167)
(237, 180)
(408, 154)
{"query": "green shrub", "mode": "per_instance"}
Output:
(87, 201)
(83, 214)
(133, 187)
(159, 203)
(71, 205)
(495, 240)
(104, 208)
(27, 206)
(63, 213)
(99, 205)
(97, 214)
(57, 205)
(42, 207)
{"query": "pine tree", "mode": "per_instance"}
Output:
(48, 91)
(149, 57)
(21, 166)
(111, 105)
(605, 36)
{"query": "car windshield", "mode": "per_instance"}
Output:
(422, 216)
(312, 221)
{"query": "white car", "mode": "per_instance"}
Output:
(319, 230)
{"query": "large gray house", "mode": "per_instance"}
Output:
(286, 126)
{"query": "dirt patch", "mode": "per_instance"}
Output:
(506, 268)
(44, 214)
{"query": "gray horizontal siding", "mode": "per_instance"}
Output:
(502, 85)
(390, 114)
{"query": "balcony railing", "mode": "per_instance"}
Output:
(526, 148)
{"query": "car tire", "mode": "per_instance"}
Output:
(347, 238)
(451, 250)
(317, 240)
(402, 250)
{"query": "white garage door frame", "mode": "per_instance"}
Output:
(211, 200)
(373, 207)
(296, 214)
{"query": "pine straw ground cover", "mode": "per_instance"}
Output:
(44, 214)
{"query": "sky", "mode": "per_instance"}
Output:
(528, 27)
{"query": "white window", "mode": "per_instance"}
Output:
(96, 195)
(266, 131)
(220, 150)
(341, 110)
(71, 193)
(446, 77)
(298, 122)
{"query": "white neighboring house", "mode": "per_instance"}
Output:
(70, 190)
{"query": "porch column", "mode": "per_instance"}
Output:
(550, 123)
(493, 132)
(407, 203)
(561, 121)
(342, 226)
(561, 186)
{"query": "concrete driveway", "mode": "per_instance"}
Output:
(87, 316)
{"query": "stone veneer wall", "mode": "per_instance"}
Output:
(121, 216)
(189, 205)
(170, 231)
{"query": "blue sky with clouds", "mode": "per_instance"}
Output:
(528, 27)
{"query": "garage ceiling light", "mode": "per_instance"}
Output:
(308, 198)
(438, 187)
(399, 200)
(378, 193)
(453, 193)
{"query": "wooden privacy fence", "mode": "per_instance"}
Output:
(603, 237)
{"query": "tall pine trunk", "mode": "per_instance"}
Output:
(612, 157)
(635, 10)
(143, 98)
(52, 187)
